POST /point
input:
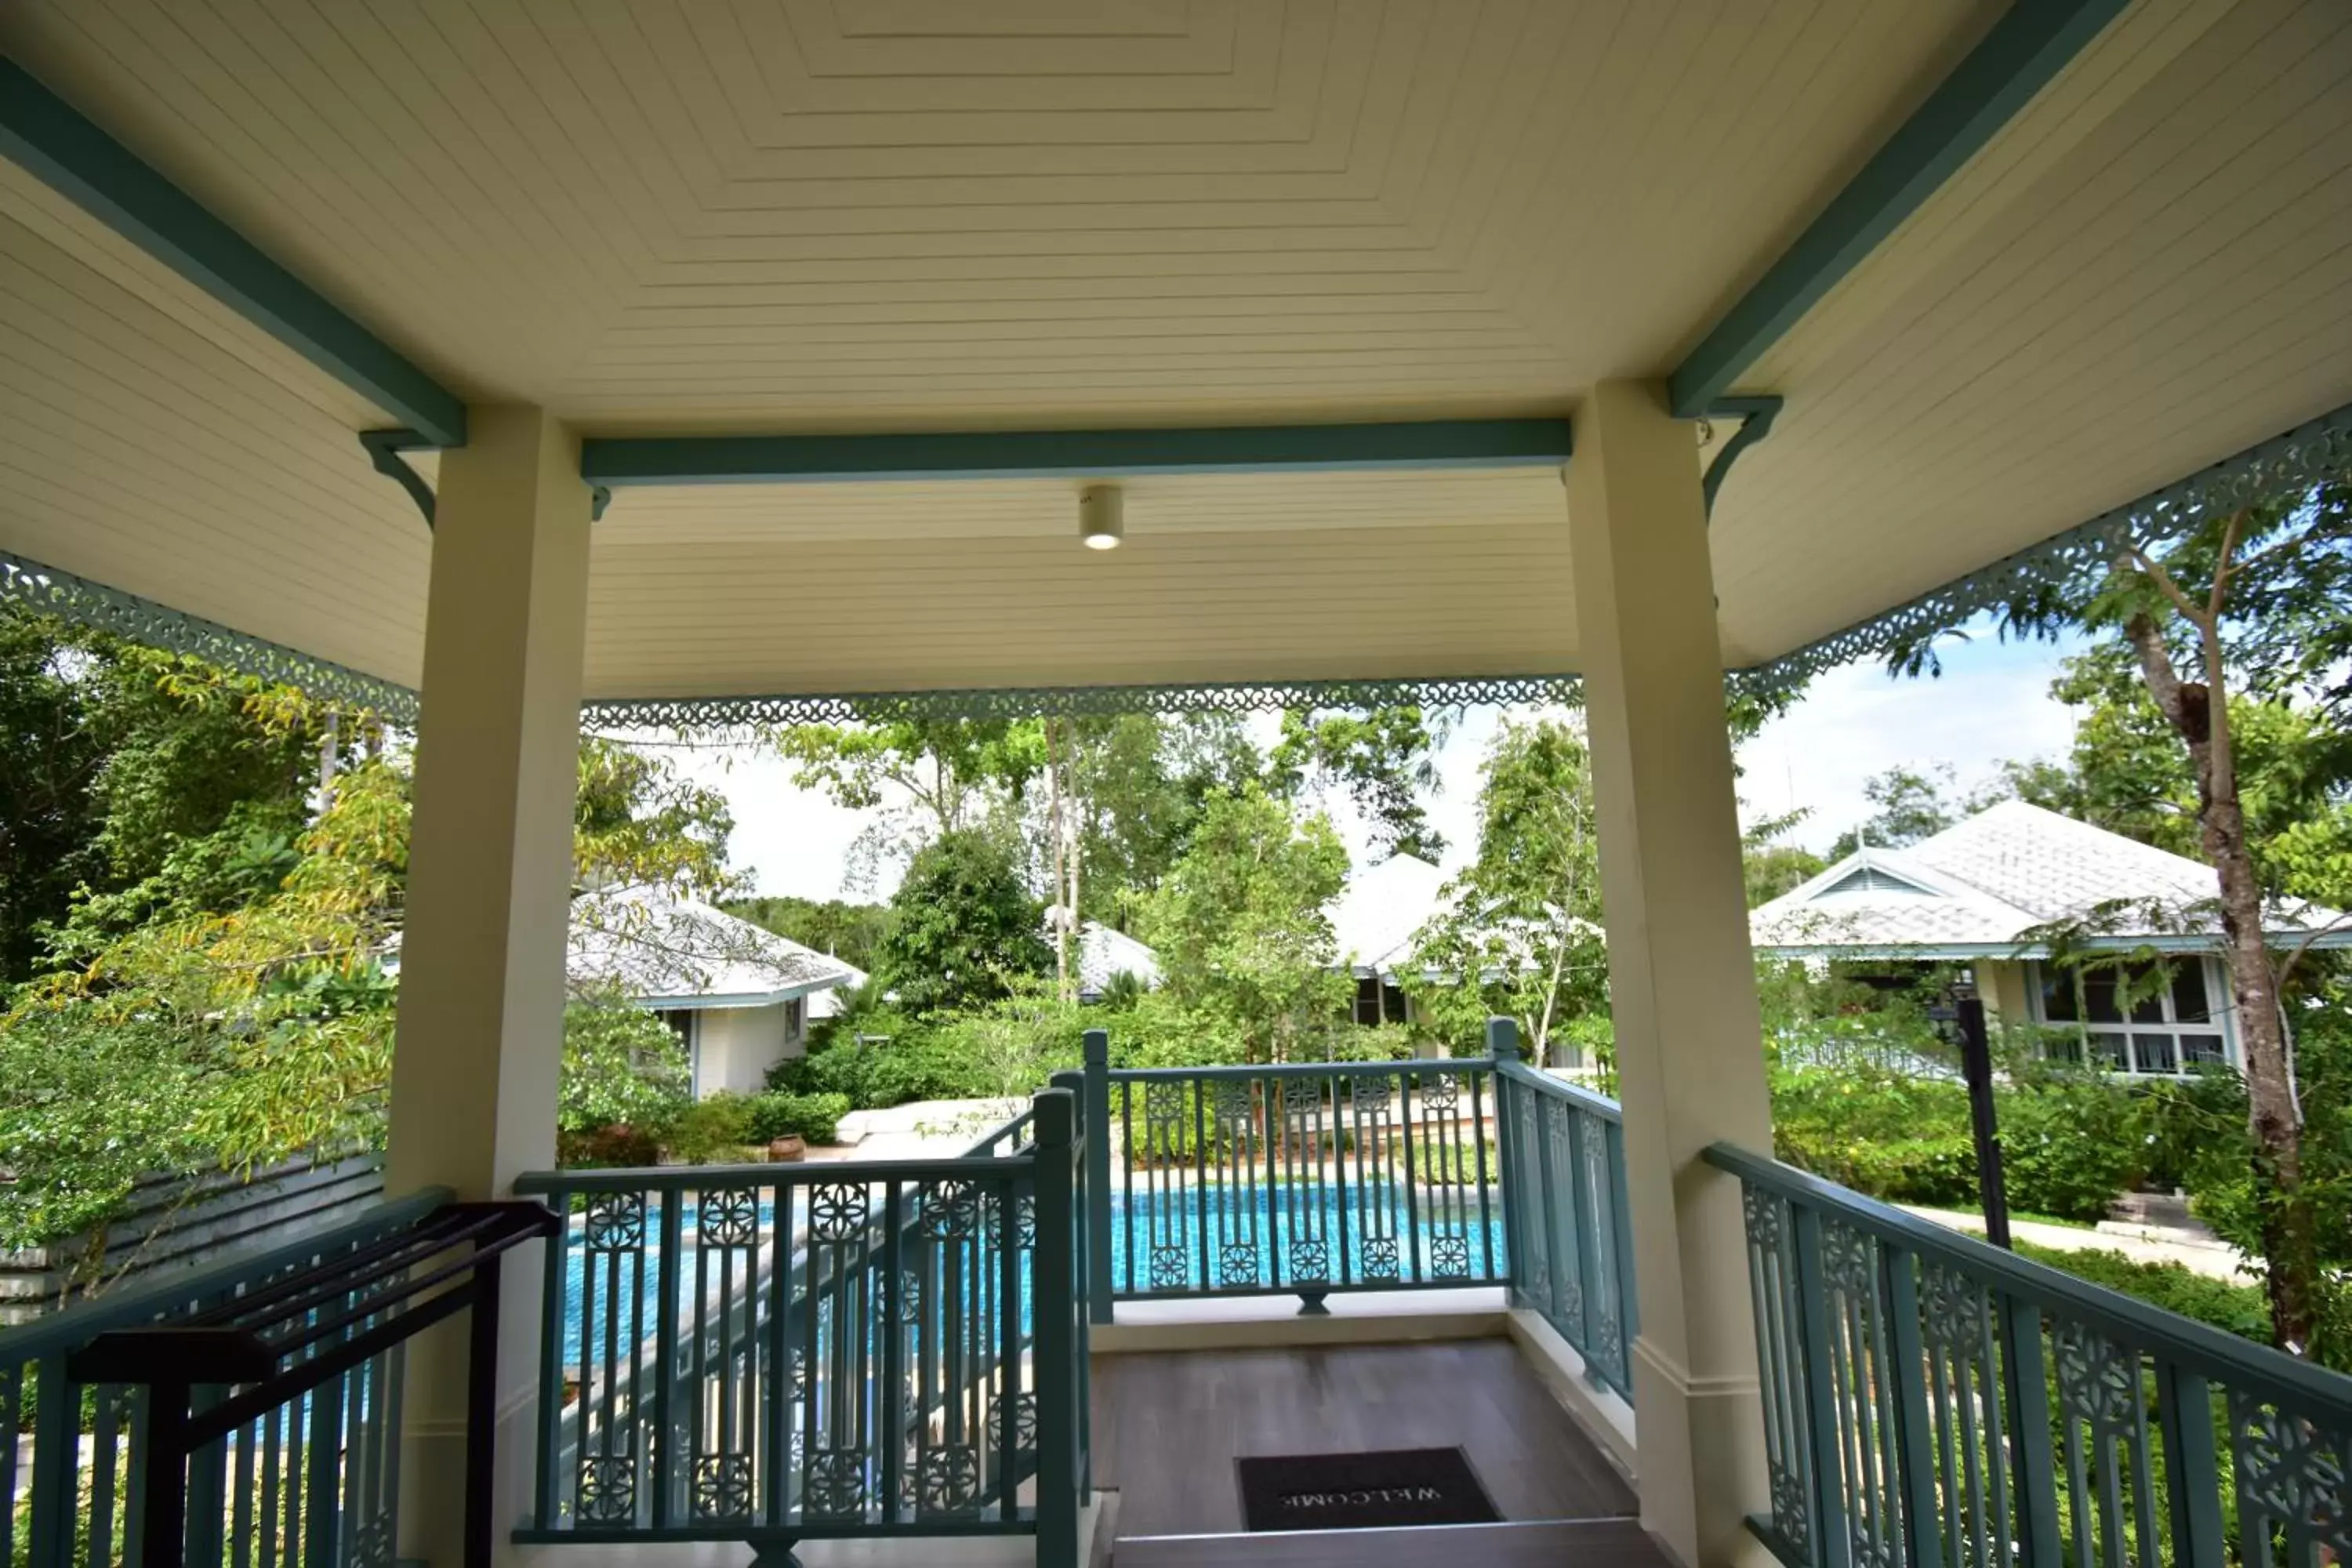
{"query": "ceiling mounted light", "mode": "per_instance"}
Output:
(1102, 521)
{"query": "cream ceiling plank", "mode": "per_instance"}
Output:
(2096, 86)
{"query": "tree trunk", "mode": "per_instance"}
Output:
(1053, 829)
(2200, 715)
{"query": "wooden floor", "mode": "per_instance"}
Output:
(1166, 1427)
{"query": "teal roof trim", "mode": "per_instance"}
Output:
(53, 141)
(2030, 43)
(1072, 453)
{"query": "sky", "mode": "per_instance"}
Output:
(1991, 703)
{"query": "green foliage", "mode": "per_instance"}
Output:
(1521, 936)
(622, 1067)
(637, 822)
(90, 1108)
(1385, 759)
(1144, 781)
(1239, 926)
(2240, 1310)
(851, 932)
(2070, 1141)
(1910, 806)
(814, 1116)
(710, 1131)
(963, 930)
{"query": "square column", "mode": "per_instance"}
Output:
(481, 1035)
(1682, 980)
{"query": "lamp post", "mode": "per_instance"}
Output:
(1962, 1013)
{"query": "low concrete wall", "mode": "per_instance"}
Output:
(179, 1222)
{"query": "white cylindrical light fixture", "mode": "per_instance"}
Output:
(1102, 517)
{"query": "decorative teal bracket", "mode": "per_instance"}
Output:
(2030, 43)
(44, 134)
(384, 448)
(1755, 415)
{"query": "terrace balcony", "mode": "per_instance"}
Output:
(498, 369)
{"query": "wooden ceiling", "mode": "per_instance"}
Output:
(851, 214)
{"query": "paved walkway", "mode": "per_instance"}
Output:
(2142, 1244)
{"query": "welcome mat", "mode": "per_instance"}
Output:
(1363, 1491)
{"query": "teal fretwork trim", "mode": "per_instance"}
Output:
(143, 621)
(1058, 702)
(2278, 469)
(47, 136)
(2029, 45)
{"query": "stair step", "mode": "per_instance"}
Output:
(1551, 1543)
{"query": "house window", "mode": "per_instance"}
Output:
(1368, 999)
(2121, 1022)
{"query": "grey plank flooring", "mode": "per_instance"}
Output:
(1166, 1427)
(1572, 1543)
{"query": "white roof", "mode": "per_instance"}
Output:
(1383, 909)
(1973, 890)
(669, 951)
(1104, 952)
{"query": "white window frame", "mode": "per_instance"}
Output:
(2221, 1019)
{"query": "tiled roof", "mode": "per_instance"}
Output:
(1984, 882)
(657, 948)
(1383, 907)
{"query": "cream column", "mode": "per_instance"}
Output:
(1682, 982)
(489, 884)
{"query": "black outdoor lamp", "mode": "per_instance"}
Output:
(1959, 1019)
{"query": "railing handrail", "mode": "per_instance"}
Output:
(2199, 1347)
(137, 1304)
(1301, 1070)
(698, 1178)
(1542, 1083)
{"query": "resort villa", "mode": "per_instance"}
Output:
(1993, 895)
(497, 368)
(739, 997)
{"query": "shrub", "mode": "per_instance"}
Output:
(2069, 1145)
(710, 1129)
(619, 1145)
(2241, 1309)
(814, 1117)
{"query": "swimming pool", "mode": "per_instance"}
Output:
(1212, 1237)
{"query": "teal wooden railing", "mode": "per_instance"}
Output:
(1297, 1179)
(773, 1353)
(1931, 1399)
(1572, 1238)
(312, 1482)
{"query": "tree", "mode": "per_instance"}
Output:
(622, 1066)
(924, 778)
(1770, 868)
(1384, 759)
(1521, 931)
(1240, 924)
(1911, 806)
(962, 927)
(2234, 603)
(849, 932)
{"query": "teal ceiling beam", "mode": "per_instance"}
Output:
(42, 133)
(1071, 454)
(2029, 45)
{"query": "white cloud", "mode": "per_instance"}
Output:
(1991, 703)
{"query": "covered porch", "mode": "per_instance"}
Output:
(501, 368)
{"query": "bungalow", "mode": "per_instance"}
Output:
(1377, 921)
(1986, 893)
(737, 994)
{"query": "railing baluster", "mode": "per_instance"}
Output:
(1824, 1431)
(1913, 1435)
(554, 1252)
(1095, 1124)
(1057, 1481)
(2184, 1403)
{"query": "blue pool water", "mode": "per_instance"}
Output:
(1177, 1243)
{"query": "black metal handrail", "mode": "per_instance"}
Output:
(271, 1346)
